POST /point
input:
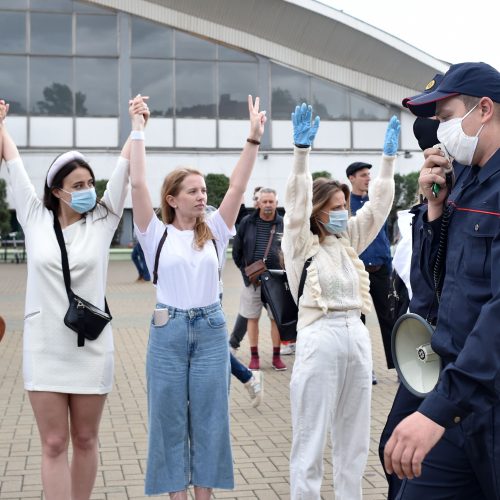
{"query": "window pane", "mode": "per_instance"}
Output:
(236, 81)
(96, 96)
(50, 86)
(227, 54)
(12, 32)
(90, 9)
(154, 78)
(52, 5)
(50, 33)
(13, 80)
(96, 35)
(14, 4)
(365, 109)
(329, 101)
(195, 83)
(289, 88)
(150, 39)
(191, 47)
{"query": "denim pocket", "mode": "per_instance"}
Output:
(216, 319)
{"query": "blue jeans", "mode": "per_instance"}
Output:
(239, 370)
(187, 370)
(140, 262)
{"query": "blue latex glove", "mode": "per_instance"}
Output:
(304, 131)
(391, 140)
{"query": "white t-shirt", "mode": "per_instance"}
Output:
(187, 277)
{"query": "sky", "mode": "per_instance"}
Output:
(446, 31)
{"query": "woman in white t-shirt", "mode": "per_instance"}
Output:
(67, 383)
(187, 363)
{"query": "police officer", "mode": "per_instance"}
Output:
(450, 447)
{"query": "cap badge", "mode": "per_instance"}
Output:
(430, 85)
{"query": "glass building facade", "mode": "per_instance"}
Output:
(78, 64)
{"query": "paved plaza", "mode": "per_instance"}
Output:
(261, 437)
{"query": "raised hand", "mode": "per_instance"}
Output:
(304, 129)
(4, 109)
(257, 119)
(138, 110)
(391, 140)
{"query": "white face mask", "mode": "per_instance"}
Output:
(458, 144)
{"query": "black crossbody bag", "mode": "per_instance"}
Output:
(87, 320)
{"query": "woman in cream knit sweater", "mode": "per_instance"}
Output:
(331, 380)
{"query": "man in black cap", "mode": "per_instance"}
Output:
(377, 258)
(450, 447)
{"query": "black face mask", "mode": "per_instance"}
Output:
(425, 130)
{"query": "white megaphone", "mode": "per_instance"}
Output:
(418, 366)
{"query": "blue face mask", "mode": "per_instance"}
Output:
(82, 201)
(337, 222)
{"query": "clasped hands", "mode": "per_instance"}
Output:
(138, 109)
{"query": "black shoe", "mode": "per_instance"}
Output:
(374, 378)
(234, 343)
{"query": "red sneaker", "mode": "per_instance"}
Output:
(278, 365)
(254, 363)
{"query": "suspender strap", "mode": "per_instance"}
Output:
(269, 241)
(157, 257)
(158, 252)
(307, 263)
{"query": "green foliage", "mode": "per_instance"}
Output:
(405, 196)
(321, 173)
(217, 186)
(5, 227)
(100, 187)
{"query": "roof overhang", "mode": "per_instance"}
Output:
(304, 34)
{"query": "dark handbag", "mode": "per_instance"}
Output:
(275, 292)
(254, 270)
(87, 320)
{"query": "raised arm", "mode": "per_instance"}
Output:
(230, 205)
(9, 149)
(142, 206)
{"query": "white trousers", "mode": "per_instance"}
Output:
(330, 389)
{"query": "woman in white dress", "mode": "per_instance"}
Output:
(67, 385)
(187, 363)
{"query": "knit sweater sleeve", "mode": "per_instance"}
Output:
(297, 237)
(366, 224)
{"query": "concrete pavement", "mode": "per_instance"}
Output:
(261, 436)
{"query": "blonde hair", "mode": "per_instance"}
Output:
(171, 187)
(323, 189)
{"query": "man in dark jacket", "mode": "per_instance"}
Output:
(257, 239)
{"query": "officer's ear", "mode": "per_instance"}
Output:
(487, 108)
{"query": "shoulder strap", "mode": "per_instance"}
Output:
(64, 255)
(157, 257)
(268, 247)
(65, 263)
(307, 263)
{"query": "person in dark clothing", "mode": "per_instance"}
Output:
(450, 446)
(240, 325)
(256, 240)
(376, 258)
(140, 263)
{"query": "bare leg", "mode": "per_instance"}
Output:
(51, 414)
(275, 334)
(178, 495)
(253, 331)
(201, 493)
(85, 416)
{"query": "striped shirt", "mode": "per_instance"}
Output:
(263, 231)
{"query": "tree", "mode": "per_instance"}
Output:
(405, 196)
(217, 186)
(5, 227)
(100, 187)
(58, 100)
(321, 173)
